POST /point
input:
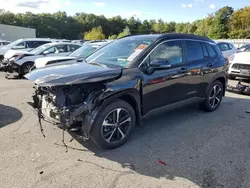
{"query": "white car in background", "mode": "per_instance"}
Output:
(21, 62)
(227, 49)
(24, 45)
(4, 43)
(87, 49)
(239, 65)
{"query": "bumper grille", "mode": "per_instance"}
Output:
(241, 66)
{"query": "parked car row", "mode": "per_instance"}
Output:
(22, 61)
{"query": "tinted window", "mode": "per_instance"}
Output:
(194, 50)
(171, 52)
(223, 46)
(211, 51)
(58, 49)
(72, 48)
(35, 44)
(205, 52)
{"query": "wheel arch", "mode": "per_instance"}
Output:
(222, 79)
(131, 96)
(25, 63)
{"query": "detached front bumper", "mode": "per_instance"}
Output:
(10, 66)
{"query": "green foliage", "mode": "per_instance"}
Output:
(112, 37)
(95, 34)
(125, 32)
(224, 23)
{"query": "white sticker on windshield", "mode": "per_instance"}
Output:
(134, 55)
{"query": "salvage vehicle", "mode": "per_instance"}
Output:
(87, 49)
(239, 65)
(107, 94)
(23, 44)
(21, 62)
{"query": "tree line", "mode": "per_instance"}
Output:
(224, 23)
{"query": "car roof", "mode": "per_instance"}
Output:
(37, 39)
(59, 43)
(223, 42)
(169, 36)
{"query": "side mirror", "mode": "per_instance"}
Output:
(160, 64)
(46, 52)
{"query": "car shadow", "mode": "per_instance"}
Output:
(186, 142)
(9, 115)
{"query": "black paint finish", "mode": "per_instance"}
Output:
(149, 88)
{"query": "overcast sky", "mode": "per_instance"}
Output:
(168, 10)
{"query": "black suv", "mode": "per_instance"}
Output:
(106, 94)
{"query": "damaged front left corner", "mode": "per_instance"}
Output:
(67, 106)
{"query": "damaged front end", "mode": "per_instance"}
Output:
(67, 106)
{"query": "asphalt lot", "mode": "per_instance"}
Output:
(199, 149)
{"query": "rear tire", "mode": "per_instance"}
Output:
(214, 97)
(113, 125)
(25, 68)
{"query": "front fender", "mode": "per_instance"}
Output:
(104, 99)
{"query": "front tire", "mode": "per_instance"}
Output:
(214, 97)
(113, 125)
(25, 68)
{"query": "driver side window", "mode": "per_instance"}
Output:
(171, 52)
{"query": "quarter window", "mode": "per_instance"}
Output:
(171, 52)
(205, 52)
(211, 51)
(194, 51)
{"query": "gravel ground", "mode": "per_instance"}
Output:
(199, 149)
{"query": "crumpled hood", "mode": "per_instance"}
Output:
(72, 73)
(41, 62)
(11, 53)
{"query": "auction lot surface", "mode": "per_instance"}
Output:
(197, 149)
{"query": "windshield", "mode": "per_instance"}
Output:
(84, 51)
(244, 46)
(40, 49)
(120, 52)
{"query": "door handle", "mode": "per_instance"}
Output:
(183, 70)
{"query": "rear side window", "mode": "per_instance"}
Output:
(194, 50)
(205, 52)
(223, 46)
(230, 46)
(72, 48)
(35, 44)
(211, 50)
